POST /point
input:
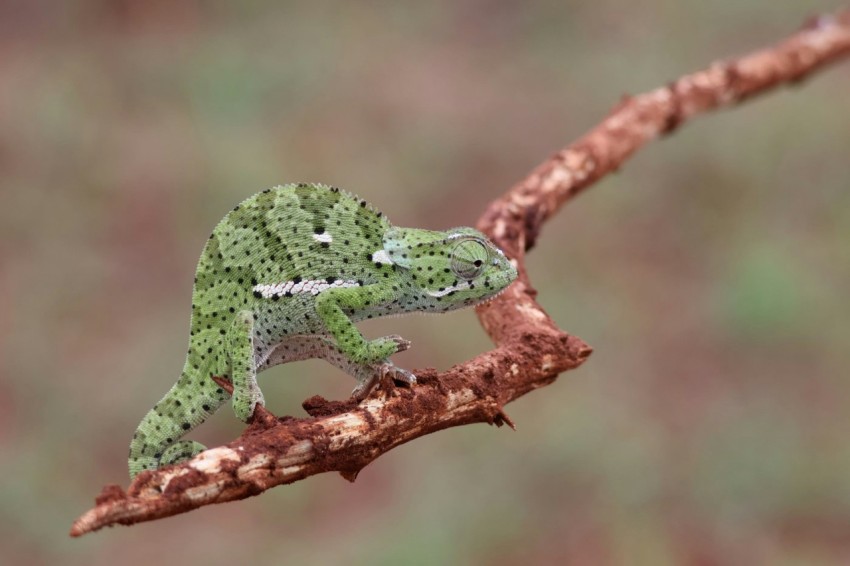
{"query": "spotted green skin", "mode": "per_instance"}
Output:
(249, 313)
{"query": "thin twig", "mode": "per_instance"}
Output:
(531, 351)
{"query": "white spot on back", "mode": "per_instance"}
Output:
(381, 256)
(323, 237)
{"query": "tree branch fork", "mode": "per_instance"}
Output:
(531, 351)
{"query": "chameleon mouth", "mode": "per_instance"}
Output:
(493, 297)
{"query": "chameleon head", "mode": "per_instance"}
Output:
(452, 269)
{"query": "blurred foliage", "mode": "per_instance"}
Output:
(711, 275)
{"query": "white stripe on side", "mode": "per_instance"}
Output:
(311, 286)
(447, 290)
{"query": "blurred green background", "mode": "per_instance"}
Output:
(711, 275)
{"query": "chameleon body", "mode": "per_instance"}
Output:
(283, 277)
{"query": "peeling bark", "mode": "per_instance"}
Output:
(530, 349)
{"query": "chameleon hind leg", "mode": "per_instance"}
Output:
(246, 392)
(304, 347)
(156, 441)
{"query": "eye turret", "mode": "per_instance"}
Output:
(468, 258)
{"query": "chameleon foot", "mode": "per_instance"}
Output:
(378, 373)
(380, 349)
(244, 403)
(402, 344)
(401, 374)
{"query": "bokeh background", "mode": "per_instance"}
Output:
(711, 275)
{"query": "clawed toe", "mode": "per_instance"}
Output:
(402, 344)
(364, 387)
(402, 375)
(380, 374)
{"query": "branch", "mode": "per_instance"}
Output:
(531, 351)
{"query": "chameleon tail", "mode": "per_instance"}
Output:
(156, 441)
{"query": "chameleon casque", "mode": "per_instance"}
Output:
(283, 277)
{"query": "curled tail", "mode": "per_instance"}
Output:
(187, 404)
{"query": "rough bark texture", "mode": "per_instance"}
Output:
(530, 350)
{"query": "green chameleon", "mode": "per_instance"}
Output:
(283, 277)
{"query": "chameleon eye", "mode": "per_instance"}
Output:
(468, 259)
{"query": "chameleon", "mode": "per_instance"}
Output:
(283, 277)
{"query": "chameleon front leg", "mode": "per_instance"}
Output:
(303, 347)
(331, 306)
(246, 392)
(364, 359)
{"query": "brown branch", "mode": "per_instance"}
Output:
(531, 351)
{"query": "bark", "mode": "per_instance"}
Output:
(531, 351)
